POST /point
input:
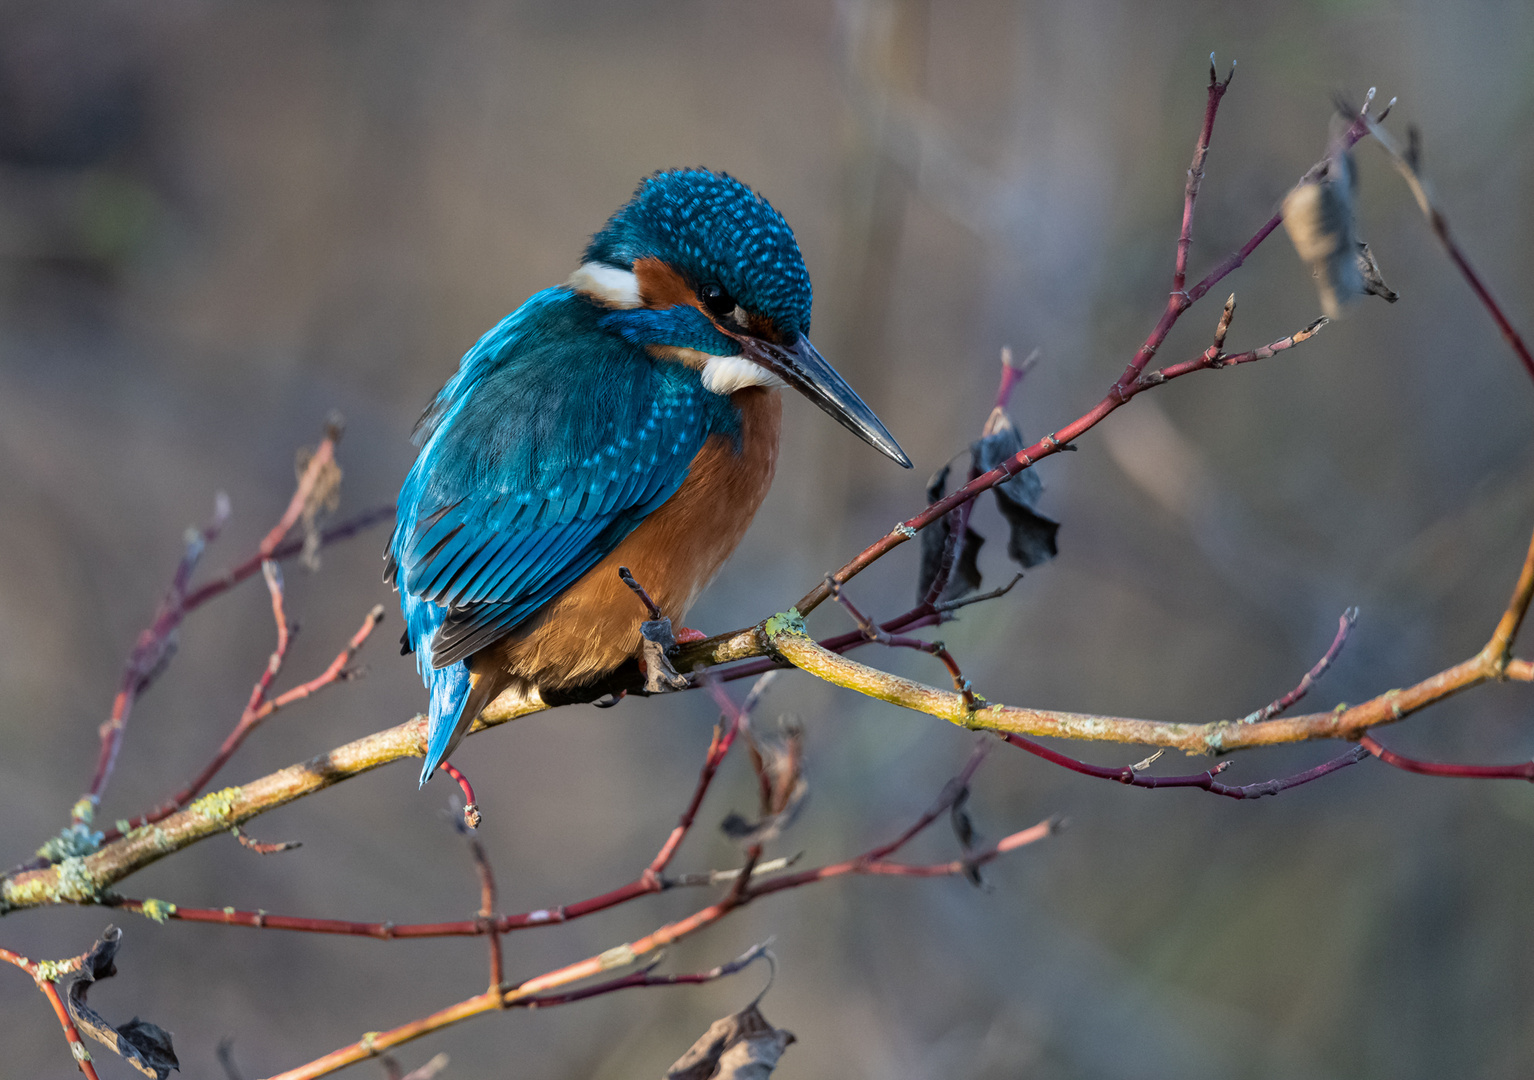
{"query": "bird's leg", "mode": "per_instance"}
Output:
(655, 662)
(659, 641)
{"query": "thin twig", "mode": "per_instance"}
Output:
(258, 709)
(1523, 771)
(873, 632)
(1407, 163)
(1131, 775)
(487, 908)
(644, 977)
(44, 980)
(264, 849)
(471, 815)
(152, 649)
(1012, 373)
(1345, 624)
(150, 653)
(1217, 90)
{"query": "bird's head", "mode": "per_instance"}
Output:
(702, 270)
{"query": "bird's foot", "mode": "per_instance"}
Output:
(659, 675)
(687, 636)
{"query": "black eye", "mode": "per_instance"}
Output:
(716, 299)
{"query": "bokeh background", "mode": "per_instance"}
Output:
(220, 221)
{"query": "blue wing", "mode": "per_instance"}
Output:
(547, 448)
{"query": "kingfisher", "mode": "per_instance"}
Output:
(628, 417)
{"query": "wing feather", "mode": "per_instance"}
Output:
(550, 444)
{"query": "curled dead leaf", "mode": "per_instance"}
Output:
(739, 1047)
(145, 1046)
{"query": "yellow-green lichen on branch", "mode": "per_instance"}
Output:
(53, 970)
(217, 806)
(158, 910)
(71, 882)
(784, 622)
(77, 839)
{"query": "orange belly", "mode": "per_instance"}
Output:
(593, 626)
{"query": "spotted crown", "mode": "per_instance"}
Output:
(713, 228)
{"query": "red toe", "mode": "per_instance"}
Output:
(687, 635)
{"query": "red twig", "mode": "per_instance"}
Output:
(471, 816)
(150, 653)
(487, 910)
(320, 463)
(923, 614)
(873, 632)
(940, 806)
(1217, 90)
(264, 849)
(344, 530)
(1344, 628)
(1524, 771)
(1012, 373)
(1407, 162)
(643, 977)
(77, 1048)
(1133, 777)
(652, 880)
(863, 864)
(259, 708)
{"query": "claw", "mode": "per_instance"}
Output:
(658, 640)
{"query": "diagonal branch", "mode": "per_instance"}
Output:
(1345, 623)
(44, 974)
(1217, 90)
(1407, 163)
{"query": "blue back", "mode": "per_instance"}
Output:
(556, 437)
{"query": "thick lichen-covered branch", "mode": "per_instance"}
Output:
(88, 878)
(84, 879)
(786, 638)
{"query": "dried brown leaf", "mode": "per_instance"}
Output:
(145, 1046)
(740, 1047)
(964, 578)
(1031, 536)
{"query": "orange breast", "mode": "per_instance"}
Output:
(592, 627)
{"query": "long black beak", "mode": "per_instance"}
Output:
(801, 366)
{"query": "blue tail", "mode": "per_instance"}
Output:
(449, 691)
(449, 686)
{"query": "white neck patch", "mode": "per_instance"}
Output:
(614, 287)
(727, 374)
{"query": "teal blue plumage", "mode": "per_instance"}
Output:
(552, 442)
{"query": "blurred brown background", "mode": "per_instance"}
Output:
(218, 221)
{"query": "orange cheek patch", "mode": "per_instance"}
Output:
(662, 287)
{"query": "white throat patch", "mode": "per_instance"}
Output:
(617, 288)
(727, 374)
